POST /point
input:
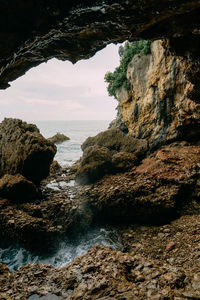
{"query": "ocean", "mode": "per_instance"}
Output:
(67, 153)
(78, 131)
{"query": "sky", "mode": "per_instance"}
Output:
(59, 90)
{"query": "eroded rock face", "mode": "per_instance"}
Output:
(33, 32)
(161, 105)
(24, 150)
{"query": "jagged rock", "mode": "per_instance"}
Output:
(24, 150)
(58, 138)
(75, 30)
(161, 105)
(154, 191)
(17, 188)
(145, 270)
(115, 140)
(101, 273)
(95, 163)
(38, 225)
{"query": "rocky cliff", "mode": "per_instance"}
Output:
(160, 106)
(31, 32)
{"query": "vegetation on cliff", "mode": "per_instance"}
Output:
(118, 78)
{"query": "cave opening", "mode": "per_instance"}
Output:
(145, 183)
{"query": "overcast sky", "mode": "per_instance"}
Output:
(61, 91)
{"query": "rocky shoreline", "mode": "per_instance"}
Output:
(146, 182)
(160, 254)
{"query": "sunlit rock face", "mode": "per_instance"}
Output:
(162, 104)
(31, 32)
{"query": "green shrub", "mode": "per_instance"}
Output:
(118, 78)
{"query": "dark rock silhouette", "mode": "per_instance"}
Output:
(33, 32)
(24, 150)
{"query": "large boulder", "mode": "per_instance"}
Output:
(95, 163)
(111, 139)
(109, 151)
(17, 188)
(115, 140)
(24, 150)
(99, 161)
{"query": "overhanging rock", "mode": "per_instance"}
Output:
(32, 32)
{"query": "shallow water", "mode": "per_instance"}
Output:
(15, 256)
(68, 152)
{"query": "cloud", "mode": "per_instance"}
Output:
(60, 90)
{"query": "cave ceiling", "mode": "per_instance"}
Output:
(32, 32)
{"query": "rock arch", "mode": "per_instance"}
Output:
(31, 32)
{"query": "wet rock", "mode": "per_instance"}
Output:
(95, 163)
(17, 188)
(37, 225)
(75, 167)
(100, 273)
(24, 150)
(58, 138)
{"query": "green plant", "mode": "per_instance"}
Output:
(118, 78)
